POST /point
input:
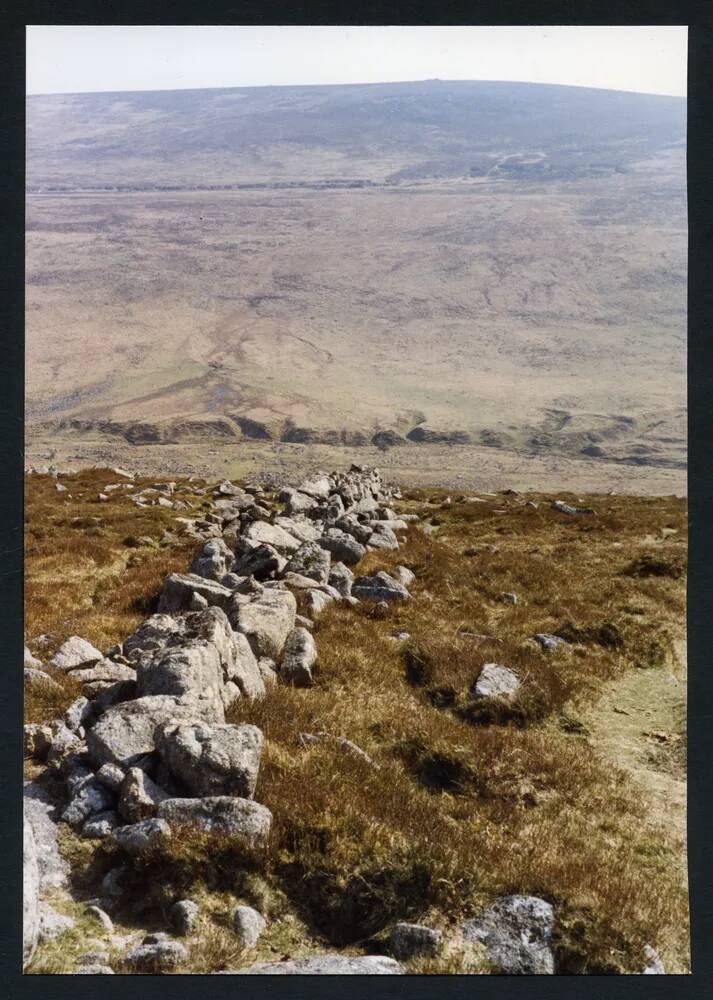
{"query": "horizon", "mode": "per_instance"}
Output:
(358, 83)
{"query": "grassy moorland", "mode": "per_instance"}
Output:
(458, 806)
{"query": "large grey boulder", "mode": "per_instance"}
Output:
(516, 932)
(213, 760)
(298, 657)
(243, 819)
(75, 652)
(296, 502)
(193, 671)
(127, 731)
(213, 561)
(139, 796)
(310, 560)
(379, 587)
(302, 528)
(263, 533)
(249, 925)
(414, 940)
(496, 681)
(342, 546)
(265, 621)
(324, 965)
(179, 588)
(30, 894)
(383, 538)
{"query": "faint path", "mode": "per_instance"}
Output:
(639, 724)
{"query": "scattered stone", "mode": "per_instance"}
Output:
(548, 642)
(298, 657)
(414, 940)
(404, 576)
(30, 661)
(154, 959)
(496, 681)
(340, 741)
(654, 966)
(184, 916)
(516, 932)
(508, 597)
(380, 587)
(75, 652)
(249, 925)
(565, 508)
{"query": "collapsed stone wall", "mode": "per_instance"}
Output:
(145, 749)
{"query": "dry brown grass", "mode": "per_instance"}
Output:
(461, 806)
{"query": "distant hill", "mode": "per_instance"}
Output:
(493, 265)
(376, 132)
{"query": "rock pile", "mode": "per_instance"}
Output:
(145, 750)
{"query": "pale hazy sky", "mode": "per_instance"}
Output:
(70, 59)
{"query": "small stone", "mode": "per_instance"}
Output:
(111, 776)
(654, 966)
(100, 825)
(53, 924)
(184, 916)
(75, 652)
(102, 917)
(140, 839)
(139, 796)
(249, 925)
(496, 681)
(508, 597)
(548, 642)
(405, 576)
(154, 959)
(412, 940)
(31, 661)
(37, 741)
(298, 658)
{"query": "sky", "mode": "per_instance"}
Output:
(73, 59)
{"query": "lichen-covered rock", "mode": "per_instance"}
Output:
(379, 587)
(213, 759)
(179, 588)
(260, 562)
(213, 560)
(516, 933)
(310, 560)
(316, 601)
(191, 671)
(153, 634)
(496, 681)
(78, 714)
(127, 731)
(37, 741)
(405, 576)
(263, 533)
(265, 621)
(40, 814)
(298, 657)
(100, 825)
(243, 819)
